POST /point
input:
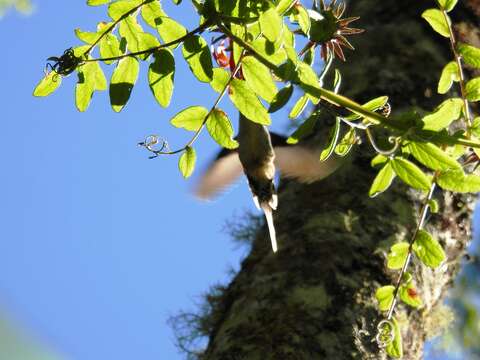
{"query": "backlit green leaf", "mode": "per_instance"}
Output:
(437, 21)
(109, 44)
(328, 151)
(371, 105)
(444, 115)
(470, 54)
(305, 129)
(473, 89)
(90, 78)
(267, 50)
(271, 24)
(48, 84)
(382, 181)
(284, 5)
(408, 294)
(428, 250)
(86, 36)
(186, 163)
(220, 79)
(346, 143)
(221, 130)
(448, 76)
(299, 106)
(97, 2)
(259, 78)
(196, 53)
(303, 19)
(308, 77)
(432, 156)
(137, 40)
(281, 98)
(190, 118)
(410, 174)
(447, 5)
(123, 79)
(379, 159)
(119, 8)
(397, 255)
(395, 349)
(161, 74)
(247, 102)
(456, 180)
(384, 297)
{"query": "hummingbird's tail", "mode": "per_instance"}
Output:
(268, 211)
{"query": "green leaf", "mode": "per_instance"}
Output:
(123, 79)
(303, 19)
(267, 50)
(137, 40)
(432, 156)
(196, 53)
(271, 24)
(259, 78)
(305, 129)
(448, 76)
(186, 163)
(328, 151)
(475, 127)
(190, 119)
(90, 78)
(428, 250)
(447, 5)
(307, 77)
(408, 294)
(397, 255)
(220, 79)
(379, 159)
(346, 143)
(86, 36)
(382, 181)
(395, 349)
(470, 54)
(299, 106)
(284, 5)
(247, 102)
(152, 11)
(221, 130)
(447, 112)
(433, 204)
(371, 105)
(109, 44)
(161, 73)
(48, 84)
(170, 30)
(410, 174)
(97, 2)
(384, 297)
(473, 89)
(118, 9)
(281, 98)
(437, 21)
(456, 180)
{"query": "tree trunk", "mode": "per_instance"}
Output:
(314, 299)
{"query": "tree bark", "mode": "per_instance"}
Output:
(314, 299)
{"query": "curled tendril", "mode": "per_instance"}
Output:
(155, 145)
(63, 65)
(392, 140)
(385, 333)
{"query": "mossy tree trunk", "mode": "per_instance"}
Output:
(314, 299)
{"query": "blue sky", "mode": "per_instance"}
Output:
(100, 244)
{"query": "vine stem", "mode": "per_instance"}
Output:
(341, 100)
(115, 23)
(461, 75)
(212, 109)
(161, 46)
(421, 222)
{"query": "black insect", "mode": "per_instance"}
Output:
(65, 64)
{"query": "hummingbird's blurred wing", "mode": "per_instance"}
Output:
(223, 171)
(303, 164)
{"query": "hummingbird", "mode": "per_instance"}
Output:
(259, 154)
